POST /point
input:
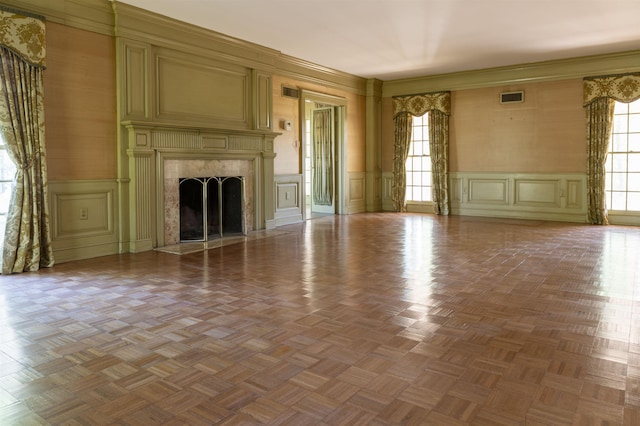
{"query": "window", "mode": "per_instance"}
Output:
(419, 162)
(623, 159)
(7, 173)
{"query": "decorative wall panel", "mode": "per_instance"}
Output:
(289, 202)
(488, 191)
(536, 192)
(136, 81)
(356, 195)
(387, 191)
(262, 83)
(195, 92)
(517, 195)
(82, 219)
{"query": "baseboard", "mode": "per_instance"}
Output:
(84, 252)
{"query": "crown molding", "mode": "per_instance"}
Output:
(309, 72)
(563, 69)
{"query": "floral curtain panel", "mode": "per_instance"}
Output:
(27, 243)
(402, 142)
(322, 188)
(600, 94)
(439, 107)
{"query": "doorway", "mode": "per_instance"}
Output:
(323, 153)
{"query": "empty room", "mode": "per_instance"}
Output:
(376, 212)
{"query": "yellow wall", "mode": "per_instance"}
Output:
(80, 104)
(544, 134)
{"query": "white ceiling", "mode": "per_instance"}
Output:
(391, 39)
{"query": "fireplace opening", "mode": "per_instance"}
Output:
(211, 207)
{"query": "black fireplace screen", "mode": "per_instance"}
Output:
(214, 204)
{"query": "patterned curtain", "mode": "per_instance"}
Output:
(439, 150)
(439, 107)
(323, 156)
(27, 243)
(403, 123)
(600, 94)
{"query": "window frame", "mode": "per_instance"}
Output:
(419, 154)
(624, 145)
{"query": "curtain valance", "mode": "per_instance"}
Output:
(622, 88)
(417, 105)
(23, 35)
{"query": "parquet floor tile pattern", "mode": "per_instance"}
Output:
(367, 319)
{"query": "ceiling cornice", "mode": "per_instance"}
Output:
(562, 69)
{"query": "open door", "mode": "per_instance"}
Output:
(323, 154)
(323, 160)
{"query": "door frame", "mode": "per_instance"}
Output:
(340, 107)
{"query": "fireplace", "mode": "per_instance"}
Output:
(178, 172)
(158, 155)
(211, 207)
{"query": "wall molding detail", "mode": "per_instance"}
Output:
(289, 201)
(540, 196)
(356, 192)
(82, 217)
(387, 192)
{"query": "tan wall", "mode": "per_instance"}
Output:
(545, 134)
(80, 104)
(288, 152)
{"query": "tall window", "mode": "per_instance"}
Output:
(623, 159)
(7, 173)
(419, 161)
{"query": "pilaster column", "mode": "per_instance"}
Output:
(373, 178)
(141, 191)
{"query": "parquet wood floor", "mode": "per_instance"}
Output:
(372, 319)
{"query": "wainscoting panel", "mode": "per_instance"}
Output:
(542, 193)
(288, 199)
(82, 219)
(543, 196)
(575, 193)
(387, 192)
(356, 197)
(488, 191)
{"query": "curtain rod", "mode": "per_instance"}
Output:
(22, 12)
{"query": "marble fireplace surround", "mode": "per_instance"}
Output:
(159, 155)
(175, 169)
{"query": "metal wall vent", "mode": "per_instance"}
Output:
(511, 97)
(290, 92)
